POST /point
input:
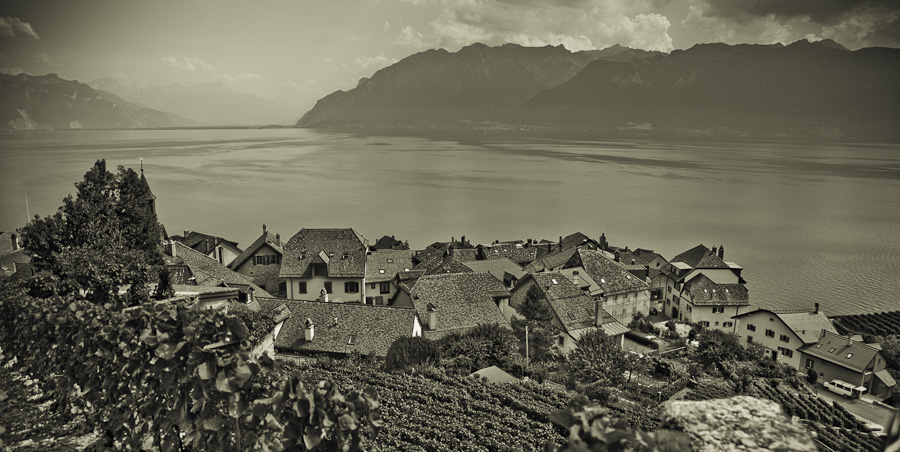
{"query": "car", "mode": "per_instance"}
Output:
(844, 388)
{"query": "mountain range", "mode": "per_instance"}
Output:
(29, 102)
(211, 104)
(802, 90)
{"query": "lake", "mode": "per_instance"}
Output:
(809, 222)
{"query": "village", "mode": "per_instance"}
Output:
(332, 294)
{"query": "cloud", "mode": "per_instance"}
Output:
(367, 64)
(11, 70)
(249, 76)
(409, 37)
(188, 64)
(13, 26)
(576, 24)
(46, 59)
(852, 23)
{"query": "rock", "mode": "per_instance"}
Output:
(737, 423)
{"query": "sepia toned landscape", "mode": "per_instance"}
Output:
(449, 225)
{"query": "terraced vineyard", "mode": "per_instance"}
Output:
(835, 426)
(883, 324)
(432, 411)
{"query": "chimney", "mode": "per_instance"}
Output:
(172, 248)
(598, 311)
(816, 311)
(15, 242)
(617, 256)
(576, 279)
(310, 331)
(715, 250)
(560, 243)
(849, 340)
(278, 239)
(632, 262)
(432, 316)
(334, 322)
(721, 251)
(549, 248)
(186, 233)
(264, 228)
(462, 240)
(324, 295)
(452, 239)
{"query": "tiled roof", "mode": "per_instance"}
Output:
(442, 265)
(267, 238)
(551, 260)
(611, 277)
(6, 243)
(13, 261)
(462, 300)
(705, 292)
(362, 328)
(834, 348)
(700, 257)
(383, 265)
(574, 308)
(310, 245)
(807, 325)
(206, 270)
(498, 267)
(578, 239)
(204, 243)
(464, 254)
(515, 252)
(640, 256)
(389, 243)
(282, 312)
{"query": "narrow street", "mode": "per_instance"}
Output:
(865, 410)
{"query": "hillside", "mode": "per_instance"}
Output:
(440, 88)
(800, 90)
(211, 104)
(32, 102)
(803, 90)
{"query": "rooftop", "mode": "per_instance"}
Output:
(610, 276)
(706, 292)
(383, 265)
(362, 328)
(343, 251)
(498, 267)
(461, 300)
(700, 257)
(266, 239)
(806, 324)
(835, 349)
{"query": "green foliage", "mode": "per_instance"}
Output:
(406, 351)
(259, 323)
(180, 377)
(542, 338)
(103, 238)
(812, 376)
(480, 347)
(593, 429)
(717, 347)
(164, 289)
(598, 358)
(534, 307)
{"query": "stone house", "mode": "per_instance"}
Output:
(326, 263)
(262, 262)
(712, 305)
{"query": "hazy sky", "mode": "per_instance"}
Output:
(297, 51)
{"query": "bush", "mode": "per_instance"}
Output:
(407, 351)
(480, 347)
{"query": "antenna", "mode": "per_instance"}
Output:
(27, 210)
(142, 165)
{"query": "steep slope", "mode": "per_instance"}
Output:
(30, 102)
(801, 90)
(444, 89)
(211, 104)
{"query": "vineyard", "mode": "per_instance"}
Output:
(836, 427)
(429, 410)
(883, 324)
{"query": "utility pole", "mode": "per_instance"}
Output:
(526, 342)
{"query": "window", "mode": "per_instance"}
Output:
(561, 341)
(770, 333)
(728, 324)
(717, 323)
(784, 338)
(267, 259)
(718, 309)
(351, 287)
(390, 260)
(749, 339)
(318, 270)
(379, 300)
(370, 300)
(786, 352)
(810, 363)
(849, 355)
(352, 340)
(751, 327)
(385, 287)
(704, 324)
(301, 287)
(372, 286)
(327, 286)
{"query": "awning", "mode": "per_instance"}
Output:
(885, 378)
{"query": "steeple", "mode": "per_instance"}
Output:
(150, 197)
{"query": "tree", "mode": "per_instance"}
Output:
(812, 376)
(542, 333)
(717, 346)
(406, 351)
(103, 238)
(598, 358)
(480, 347)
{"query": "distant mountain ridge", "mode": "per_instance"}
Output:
(42, 102)
(211, 104)
(802, 90)
(477, 83)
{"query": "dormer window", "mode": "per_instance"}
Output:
(390, 261)
(381, 270)
(352, 340)
(831, 350)
(554, 281)
(849, 355)
(344, 256)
